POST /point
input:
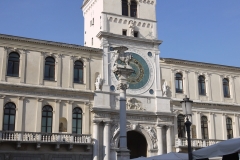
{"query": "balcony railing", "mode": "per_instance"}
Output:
(196, 143)
(31, 137)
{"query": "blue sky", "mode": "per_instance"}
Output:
(199, 30)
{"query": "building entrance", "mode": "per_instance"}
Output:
(137, 144)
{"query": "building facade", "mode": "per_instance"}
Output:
(61, 101)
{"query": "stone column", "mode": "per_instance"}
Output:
(41, 68)
(169, 138)
(4, 64)
(39, 115)
(69, 116)
(198, 125)
(209, 86)
(2, 97)
(23, 66)
(160, 138)
(95, 136)
(158, 76)
(224, 127)
(173, 83)
(86, 126)
(212, 126)
(71, 70)
(236, 120)
(19, 114)
(59, 73)
(56, 116)
(106, 139)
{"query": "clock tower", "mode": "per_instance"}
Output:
(130, 23)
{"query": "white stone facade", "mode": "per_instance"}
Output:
(152, 109)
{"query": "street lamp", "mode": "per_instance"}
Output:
(187, 111)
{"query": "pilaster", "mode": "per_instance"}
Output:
(87, 75)
(4, 64)
(19, 114)
(169, 138)
(186, 83)
(158, 76)
(56, 116)
(23, 66)
(224, 127)
(106, 139)
(95, 137)
(39, 115)
(160, 138)
(221, 88)
(212, 126)
(2, 102)
(71, 70)
(173, 83)
(236, 120)
(41, 68)
(233, 89)
(59, 71)
(86, 117)
(196, 85)
(198, 125)
(69, 116)
(209, 86)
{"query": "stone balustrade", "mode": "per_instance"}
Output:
(196, 143)
(31, 137)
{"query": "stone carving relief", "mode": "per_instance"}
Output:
(134, 104)
(152, 134)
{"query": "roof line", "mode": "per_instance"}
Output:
(45, 42)
(173, 60)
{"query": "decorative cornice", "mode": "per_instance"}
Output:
(198, 64)
(107, 34)
(49, 43)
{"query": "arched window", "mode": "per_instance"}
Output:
(47, 113)
(49, 73)
(201, 85)
(226, 88)
(78, 72)
(229, 128)
(133, 8)
(181, 126)
(13, 64)
(204, 127)
(9, 117)
(179, 83)
(125, 7)
(77, 121)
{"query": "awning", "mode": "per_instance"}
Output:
(169, 156)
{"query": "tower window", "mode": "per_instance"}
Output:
(124, 32)
(135, 33)
(133, 9)
(125, 7)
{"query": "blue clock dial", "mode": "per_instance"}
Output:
(141, 72)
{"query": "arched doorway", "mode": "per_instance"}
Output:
(137, 144)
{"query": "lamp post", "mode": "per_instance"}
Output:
(187, 111)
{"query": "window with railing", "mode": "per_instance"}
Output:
(9, 117)
(229, 128)
(204, 127)
(181, 126)
(47, 113)
(77, 121)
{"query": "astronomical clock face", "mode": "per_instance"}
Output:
(142, 79)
